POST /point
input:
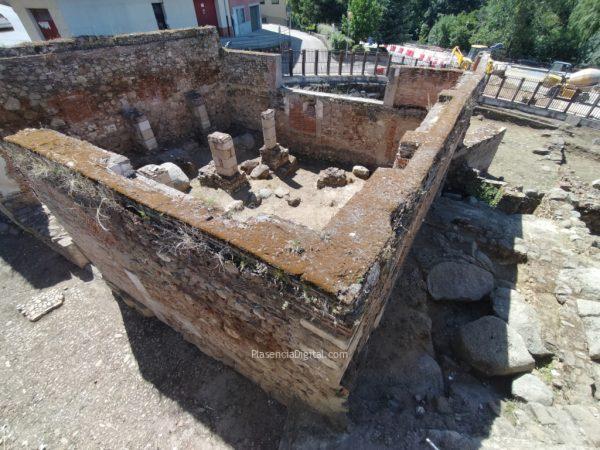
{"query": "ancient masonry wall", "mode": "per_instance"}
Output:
(343, 129)
(82, 86)
(232, 288)
(418, 86)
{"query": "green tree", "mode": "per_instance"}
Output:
(310, 12)
(364, 17)
(452, 30)
(584, 30)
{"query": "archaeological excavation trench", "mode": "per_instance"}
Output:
(261, 221)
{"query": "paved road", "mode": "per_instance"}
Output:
(302, 41)
(10, 38)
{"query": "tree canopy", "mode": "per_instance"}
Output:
(529, 29)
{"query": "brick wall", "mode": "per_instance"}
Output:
(418, 86)
(252, 81)
(81, 86)
(342, 129)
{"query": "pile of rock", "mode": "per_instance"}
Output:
(496, 345)
(332, 177)
(168, 174)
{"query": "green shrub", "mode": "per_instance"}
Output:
(325, 30)
(339, 41)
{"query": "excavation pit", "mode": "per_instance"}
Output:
(272, 280)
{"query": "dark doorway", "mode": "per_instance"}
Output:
(45, 23)
(206, 12)
(255, 17)
(159, 14)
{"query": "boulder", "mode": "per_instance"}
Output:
(588, 308)
(281, 192)
(511, 307)
(361, 172)
(531, 389)
(460, 281)
(332, 177)
(260, 172)
(167, 173)
(265, 193)
(592, 335)
(248, 165)
(236, 205)
(492, 347)
(293, 201)
(596, 183)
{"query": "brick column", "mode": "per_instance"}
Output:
(141, 127)
(268, 128)
(223, 153)
(198, 107)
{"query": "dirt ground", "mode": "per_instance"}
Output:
(316, 208)
(95, 374)
(516, 162)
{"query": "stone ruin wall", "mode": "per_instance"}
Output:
(226, 288)
(81, 87)
(418, 86)
(342, 129)
(229, 288)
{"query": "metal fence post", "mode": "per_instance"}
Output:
(364, 63)
(553, 97)
(594, 105)
(303, 63)
(500, 87)
(291, 62)
(340, 62)
(571, 100)
(352, 62)
(389, 63)
(328, 61)
(535, 91)
(316, 62)
(518, 89)
(376, 61)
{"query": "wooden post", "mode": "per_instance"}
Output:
(364, 63)
(518, 89)
(316, 62)
(535, 91)
(352, 62)
(389, 64)
(376, 61)
(340, 62)
(402, 61)
(328, 61)
(303, 63)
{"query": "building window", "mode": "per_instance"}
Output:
(159, 14)
(274, 2)
(44, 21)
(262, 2)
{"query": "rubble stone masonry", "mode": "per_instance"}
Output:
(284, 305)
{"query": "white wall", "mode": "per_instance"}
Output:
(19, 33)
(106, 17)
(274, 13)
(21, 8)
